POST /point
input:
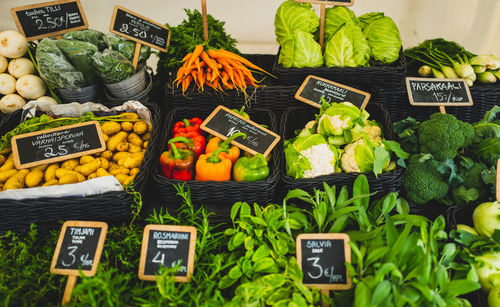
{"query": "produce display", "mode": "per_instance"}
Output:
(350, 41)
(445, 59)
(18, 82)
(340, 139)
(126, 139)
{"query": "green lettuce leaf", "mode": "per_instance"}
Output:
(337, 16)
(300, 50)
(292, 16)
(296, 163)
(384, 39)
(347, 48)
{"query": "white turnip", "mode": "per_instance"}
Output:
(20, 67)
(12, 44)
(7, 84)
(47, 99)
(10, 103)
(30, 87)
(3, 63)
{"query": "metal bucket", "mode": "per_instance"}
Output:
(143, 96)
(129, 87)
(90, 93)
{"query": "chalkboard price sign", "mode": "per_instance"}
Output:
(167, 246)
(58, 144)
(438, 92)
(339, 3)
(223, 122)
(79, 246)
(52, 18)
(139, 29)
(322, 258)
(313, 88)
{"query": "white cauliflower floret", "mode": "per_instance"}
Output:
(348, 161)
(373, 132)
(338, 125)
(320, 157)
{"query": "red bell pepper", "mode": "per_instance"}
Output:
(197, 146)
(177, 163)
(188, 125)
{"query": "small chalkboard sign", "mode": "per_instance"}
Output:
(322, 258)
(79, 247)
(169, 246)
(52, 18)
(58, 144)
(223, 122)
(438, 92)
(339, 3)
(139, 29)
(313, 88)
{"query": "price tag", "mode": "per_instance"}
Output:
(139, 29)
(47, 19)
(438, 92)
(223, 122)
(170, 246)
(313, 88)
(322, 258)
(339, 3)
(58, 144)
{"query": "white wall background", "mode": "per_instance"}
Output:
(473, 23)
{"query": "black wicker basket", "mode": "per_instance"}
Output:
(217, 197)
(46, 213)
(296, 118)
(363, 78)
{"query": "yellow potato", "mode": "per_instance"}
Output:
(107, 154)
(116, 139)
(119, 170)
(60, 172)
(9, 163)
(34, 178)
(130, 115)
(39, 168)
(90, 167)
(68, 178)
(134, 139)
(50, 172)
(127, 126)
(4, 175)
(140, 127)
(16, 181)
(150, 128)
(92, 176)
(133, 161)
(112, 166)
(121, 155)
(5, 151)
(104, 163)
(105, 137)
(146, 137)
(86, 159)
(145, 144)
(134, 148)
(123, 179)
(123, 146)
(2, 160)
(110, 128)
(101, 172)
(50, 182)
(134, 171)
(70, 164)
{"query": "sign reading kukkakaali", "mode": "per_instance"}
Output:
(52, 18)
(438, 92)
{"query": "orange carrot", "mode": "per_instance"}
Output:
(187, 57)
(185, 83)
(196, 53)
(201, 79)
(197, 63)
(210, 63)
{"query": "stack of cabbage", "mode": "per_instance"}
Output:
(349, 41)
(340, 139)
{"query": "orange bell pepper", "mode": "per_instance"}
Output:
(232, 152)
(212, 167)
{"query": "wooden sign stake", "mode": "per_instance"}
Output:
(498, 181)
(205, 20)
(442, 109)
(137, 53)
(70, 284)
(322, 25)
(324, 303)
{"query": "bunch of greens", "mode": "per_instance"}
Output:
(79, 54)
(452, 161)
(340, 139)
(112, 66)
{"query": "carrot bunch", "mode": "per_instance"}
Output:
(218, 69)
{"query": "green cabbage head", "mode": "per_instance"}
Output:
(348, 47)
(300, 50)
(383, 37)
(335, 17)
(292, 16)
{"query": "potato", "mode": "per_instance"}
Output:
(123, 146)
(86, 159)
(130, 115)
(112, 166)
(134, 139)
(110, 128)
(121, 155)
(133, 161)
(2, 160)
(108, 154)
(101, 172)
(60, 172)
(68, 178)
(145, 144)
(104, 163)
(116, 139)
(34, 178)
(39, 168)
(4, 175)
(119, 170)
(8, 164)
(140, 127)
(92, 176)
(50, 172)
(134, 171)
(90, 167)
(150, 128)
(70, 164)
(124, 179)
(105, 137)
(6, 151)
(16, 181)
(50, 182)
(134, 148)
(127, 126)
(146, 137)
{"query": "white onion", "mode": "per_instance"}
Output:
(3, 64)
(30, 87)
(10, 103)
(12, 44)
(7, 84)
(20, 67)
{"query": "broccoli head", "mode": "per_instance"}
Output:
(443, 135)
(422, 181)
